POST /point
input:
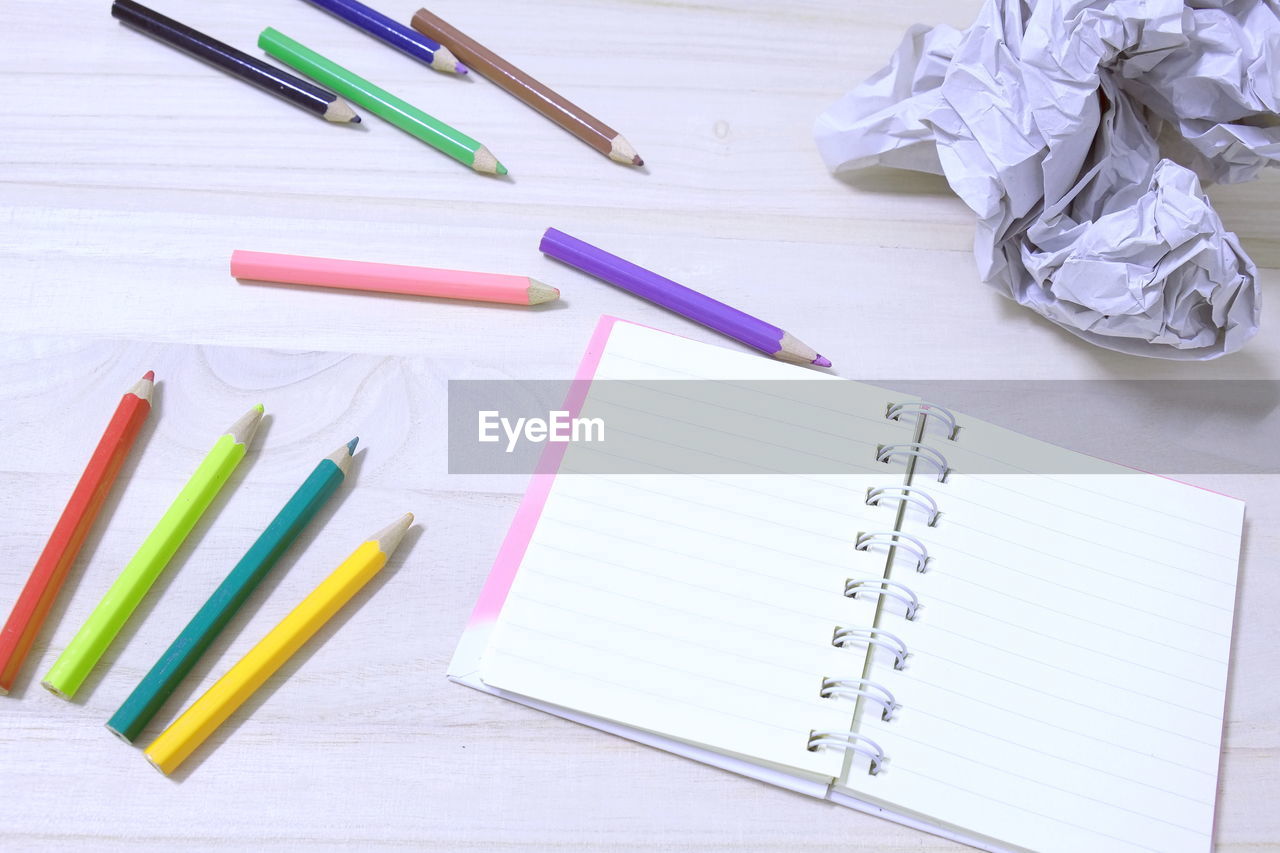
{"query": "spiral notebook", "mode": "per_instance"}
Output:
(1014, 661)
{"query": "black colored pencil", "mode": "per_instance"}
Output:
(296, 91)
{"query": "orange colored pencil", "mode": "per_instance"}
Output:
(37, 597)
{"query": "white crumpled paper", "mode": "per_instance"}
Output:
(1079, 131)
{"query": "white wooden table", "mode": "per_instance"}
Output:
(128, 173)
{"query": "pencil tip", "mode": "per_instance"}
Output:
(501, 170)
(636, 161)
(355, 120)
(351, 445)
(459, 68)
(242, 431)
(388, 538)
(150, 376)
(822, 361)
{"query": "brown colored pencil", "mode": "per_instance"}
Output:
(571, 117)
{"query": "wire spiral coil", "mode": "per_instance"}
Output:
(925, 410)
(850, 742)
(885, 588)
(853, 688)
(908, 495)
(893, 539)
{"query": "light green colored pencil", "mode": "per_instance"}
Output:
(380, 102)
(113, 611)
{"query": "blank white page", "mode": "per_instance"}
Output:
(700, 607)
(1068, 665)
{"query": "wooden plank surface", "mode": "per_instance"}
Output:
(128, 173)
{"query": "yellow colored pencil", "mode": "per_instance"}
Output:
(229, 692)
(87, 647)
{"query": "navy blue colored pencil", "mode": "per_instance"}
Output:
(399, 36)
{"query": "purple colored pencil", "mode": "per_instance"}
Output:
(402, 38)
(689, 303)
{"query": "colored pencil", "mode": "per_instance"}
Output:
(163, 678)
(230, 691)
(559, 109)
(50, 571)
(113, 611)
(394, 33)
(688, 303)
(390, 278)
(226, 58)
(380, 102)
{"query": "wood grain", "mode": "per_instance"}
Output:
(121, 199)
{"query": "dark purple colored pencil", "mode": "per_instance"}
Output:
(689, 303)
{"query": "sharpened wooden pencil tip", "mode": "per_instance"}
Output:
(388, 538)
(351, 445)
(242, 430)
(340, 111)
(622, 151)
(484, 161)
(540, 293)
(445, 61)
(342, 456)
(143, 388)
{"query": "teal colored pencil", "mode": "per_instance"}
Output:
(158, 684)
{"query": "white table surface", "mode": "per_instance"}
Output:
(128, 173)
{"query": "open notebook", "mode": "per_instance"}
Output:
(1010, 660)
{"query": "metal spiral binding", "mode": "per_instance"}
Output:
(923, 452)
(885, 588)
(850, 742)
(912, 495)
(873, 637)
(894, 539)
(853, 688)
(863, 689)
(926, 410)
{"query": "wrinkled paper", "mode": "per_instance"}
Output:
(1080, 132)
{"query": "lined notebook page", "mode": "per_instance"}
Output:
(699, 607)
(1068, 666)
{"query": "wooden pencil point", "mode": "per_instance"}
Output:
(388, 538)
(144, 387)
(485, 162)
(244, 428)
(340, 111)
(794, 351)
(622, 151)
(448, 63)
(540, 293)
(342, 456)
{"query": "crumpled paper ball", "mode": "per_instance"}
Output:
(1079, 132)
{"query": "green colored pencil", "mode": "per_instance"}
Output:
(158, 684)
(380, 102)
(113, 611)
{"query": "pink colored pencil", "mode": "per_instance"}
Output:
(390, 278)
